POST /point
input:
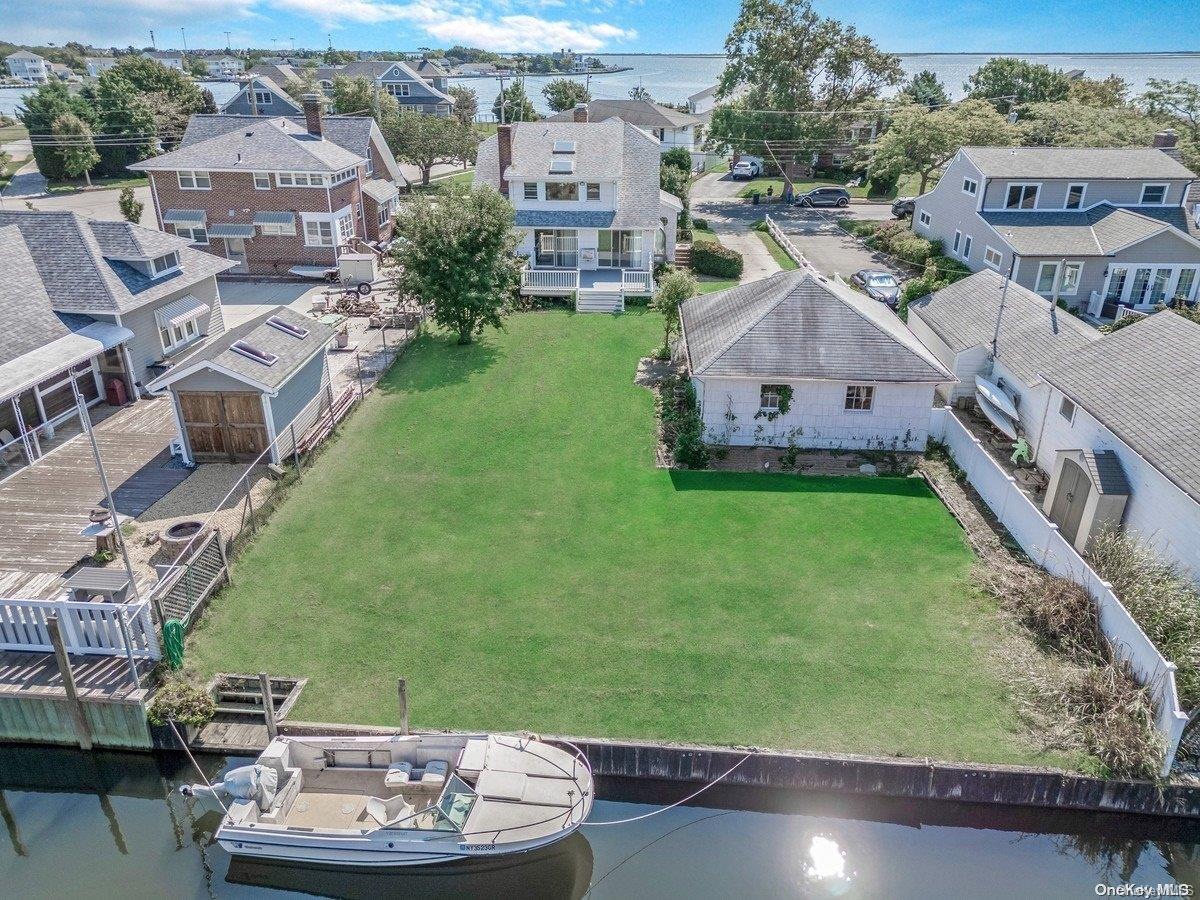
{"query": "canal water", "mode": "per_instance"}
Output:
(113, 825)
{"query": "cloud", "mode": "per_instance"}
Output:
(526, 33)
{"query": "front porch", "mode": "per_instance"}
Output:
(595, 290)
(1132, 289)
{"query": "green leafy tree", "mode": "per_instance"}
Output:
(305, 82)
(38, 112)
(679, 158)
(640, 93)
(131, 123)
(131, 207)
(424, 141)
(208, 103)
(674, 288)
(920, 141)
(1177, 105)
(77, 146)
(562, 94)
(926, 89)
(457, 253)
(1108, 93)
(517, 107)
(677, 182)
(466, 103)
(148, 76)
(1069, 123)
(361, 97)
(1018, 81)
(782, 56)
(196, 67)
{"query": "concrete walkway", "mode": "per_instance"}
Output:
(714, 199)
(28, 182)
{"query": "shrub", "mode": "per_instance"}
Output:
(183, 703)
(683, 431)
(882, 182)
(679, 158)
(1063, 616)
(700, 224)
(712, 258)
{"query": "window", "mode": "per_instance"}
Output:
(194, 181)
(1187, 278)
(1074, 199)
(194, 233)
(1068, 284)
(385, 213)
(255, 353)
(175, 336)
(400, 89)
(263, 98)
(344, 176)
(1154, 194)
(966, 254)
(278, 229)
(163, 264)
(957, 240)
(1022, 196)
(300, 179)
(318, 233)
(993, 257)
(562, 190)
(770, 396)
(345, 228)
(970, 186)
(1066, 409)
(593, 191)
(925, 219)
(262, 181)
(859, 397)
(531, 190)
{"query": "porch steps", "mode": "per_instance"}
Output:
(683, 256)
(599, 300)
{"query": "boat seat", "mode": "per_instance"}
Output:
(398, 774)
(472, 759)
(435, 772)
(390, 811)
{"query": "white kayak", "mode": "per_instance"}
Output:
(997, 406)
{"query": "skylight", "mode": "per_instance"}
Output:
(564, 146)
(562, 166)
(251, 352)
(287, 327)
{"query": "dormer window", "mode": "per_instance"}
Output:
(1022, 196)
(344, 176)
(263, 98)
(1075, 194)
(398, 89)
(1154, 194)
(562, 190)
(161, 265)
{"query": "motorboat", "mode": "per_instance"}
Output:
(403, 800)
(997, 406)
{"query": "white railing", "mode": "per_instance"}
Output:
(636, 282)
(1039, 538)
(786, 243)
(104, 629)
(1095, 304)
(550, 279)
(1124, 312)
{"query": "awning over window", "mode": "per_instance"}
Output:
(274, 218)
(231, 231)
(179, 311)
(185, 216)
(380, 191)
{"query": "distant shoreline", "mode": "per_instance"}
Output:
(1096, 53)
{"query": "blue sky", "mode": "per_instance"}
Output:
(613, 26)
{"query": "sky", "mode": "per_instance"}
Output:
(598, 26)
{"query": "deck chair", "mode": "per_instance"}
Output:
(390, 811)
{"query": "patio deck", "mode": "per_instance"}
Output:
(44, 506)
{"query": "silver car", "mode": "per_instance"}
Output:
(879, 285)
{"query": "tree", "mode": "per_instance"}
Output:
(305, 82)
(78, 149)
(640, 93)
(1177, 100)
(208, 103)
(360, 97)
(149, 76)
(131, 207)
(130, 123)
(466, 103)
(562, 94)
(1007, 82)
(1069, 123)
(38, 113)
(677, 182)
(926, 89)
(674, 288)
(920, 141)
(783, 57)
(424, 141)
(1108, 93)
(457, 253)
(517, 105)
(679, 158)
(196, 67)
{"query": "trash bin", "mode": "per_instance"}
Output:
(754, 198)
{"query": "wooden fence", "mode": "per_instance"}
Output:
(187, 585)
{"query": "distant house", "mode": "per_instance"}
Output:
(224, 66)
(272, 194)
(262, 383)
(1100, 228)
(480, 68)
(63, 72)
(88, 303)
(592, 217)
(260, 96)
(172, 59)
(670, 127)
(399, 80)
(98, 65)
(433, 72)
(797, 358)
(278, 72)
(28, 67)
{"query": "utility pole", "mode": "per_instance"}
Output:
(184, 34)
(152, 44)
(501, 77)
(228, 43)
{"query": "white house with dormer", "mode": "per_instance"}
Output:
(28, 67)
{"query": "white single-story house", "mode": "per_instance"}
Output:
(797, 358)
(262, 383)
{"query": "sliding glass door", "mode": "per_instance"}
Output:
(556, 249)
(620, 249)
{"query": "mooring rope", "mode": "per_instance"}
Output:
(663, 809)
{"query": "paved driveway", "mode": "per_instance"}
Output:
(827, 246)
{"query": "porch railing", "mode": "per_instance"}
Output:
(100, 629)
(1124, 312)
(550, 279)
(636, 282)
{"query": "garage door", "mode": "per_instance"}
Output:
(223, 424)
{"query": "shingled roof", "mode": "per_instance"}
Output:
(1100, 230)
(1109, 163)
(1140, 382)
(799, 325)
(642, 113)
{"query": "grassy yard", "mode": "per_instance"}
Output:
(491, 526)
(907, 187)
(12, 133)
(780, 256)
(442, 183)
(709, 284)
(73, 185)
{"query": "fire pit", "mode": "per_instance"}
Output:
(177, 536)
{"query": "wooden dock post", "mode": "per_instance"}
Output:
(64, 667)
(402, 685)
(268, 706)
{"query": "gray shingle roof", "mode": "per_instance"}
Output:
(351, 133)
(380, 190)
(794, 325)
(27, 320)
(374, 69)
(1141, 383)
(1098, 231)
(559, 218)
(292, 352)
(1106, 471)
(1076, 162)
(1033, 333)
(77, 265)
(261, 144)
(642, 113)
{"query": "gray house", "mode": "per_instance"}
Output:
(261, 96)
(261, 384)
(1099, 228)
(397, 78)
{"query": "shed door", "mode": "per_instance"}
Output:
(227, 424)
(1069, 501)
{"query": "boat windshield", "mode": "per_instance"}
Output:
(455, 804)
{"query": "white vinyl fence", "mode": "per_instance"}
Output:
(1039, 538)
(106, 629)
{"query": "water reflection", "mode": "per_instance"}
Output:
(825, 867)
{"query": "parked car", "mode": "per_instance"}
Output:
(903, 207)
(746, 168)
(825, 196)
(879, 285)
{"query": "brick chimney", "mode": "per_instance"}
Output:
(580, 112)
(312, 113)
(504, 154)
(1165, 139)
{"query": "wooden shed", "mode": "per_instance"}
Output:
(257, 387)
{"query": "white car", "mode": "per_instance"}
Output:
(746, 169)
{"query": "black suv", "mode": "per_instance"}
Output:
(825, 196)
(903, 207)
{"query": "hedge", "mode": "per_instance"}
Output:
(717, 260)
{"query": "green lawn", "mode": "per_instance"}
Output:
(12, 133)
(491, 526)
(10, 168)
(73, 185)
(780, 256)
(442, 183)
(907, 187)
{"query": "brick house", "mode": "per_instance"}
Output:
(276, 194)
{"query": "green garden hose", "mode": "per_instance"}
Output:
(173, 642)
